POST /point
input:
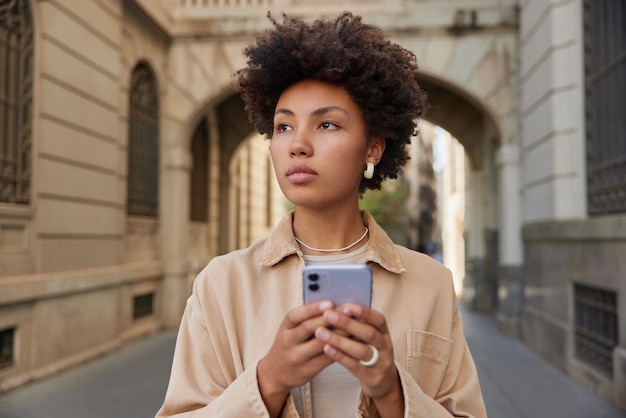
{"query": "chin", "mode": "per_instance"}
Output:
(310, 203)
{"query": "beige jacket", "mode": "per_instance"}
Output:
(239, 300)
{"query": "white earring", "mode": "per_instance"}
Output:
(369, 171)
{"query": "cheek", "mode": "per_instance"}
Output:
(346, 166)
(346, 158)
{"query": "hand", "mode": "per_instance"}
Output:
(356, 326)
(294, 358)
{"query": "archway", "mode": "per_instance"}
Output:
(452, 108)
(466, 119)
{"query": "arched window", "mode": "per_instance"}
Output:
(16, 98)
(143, 144)
(200, 173)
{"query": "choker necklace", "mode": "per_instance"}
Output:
(324, 250)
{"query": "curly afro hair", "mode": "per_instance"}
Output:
(378, 74)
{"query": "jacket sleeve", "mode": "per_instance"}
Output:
(202, 384)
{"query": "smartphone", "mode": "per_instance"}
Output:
(340, 283)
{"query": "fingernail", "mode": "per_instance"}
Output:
(325, 305)
(349, 310)
(322, 334)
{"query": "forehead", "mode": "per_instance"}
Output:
(313, 94)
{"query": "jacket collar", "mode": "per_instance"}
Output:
(382, 251)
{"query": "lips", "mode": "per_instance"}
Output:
(301, 173)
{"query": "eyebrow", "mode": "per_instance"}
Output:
(316, 112)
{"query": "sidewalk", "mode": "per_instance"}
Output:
(131, 382)
(518, 383)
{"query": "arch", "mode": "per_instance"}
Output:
(213, 100)
(469, 119)
(460, 113)
(234, 128)
(228, 127)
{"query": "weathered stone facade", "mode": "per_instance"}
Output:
(505, 78)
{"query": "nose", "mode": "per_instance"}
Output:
(300, 145)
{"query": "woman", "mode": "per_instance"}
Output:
(339, 104)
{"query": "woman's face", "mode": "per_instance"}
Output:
(319, 146)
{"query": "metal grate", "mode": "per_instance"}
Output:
(595, 313)
(143, 305)
(7, 347)
(143, 144)
(16, 98)
(605, 62)
(200, 173)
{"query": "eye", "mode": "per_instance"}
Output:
(282, 127)
(329, 126)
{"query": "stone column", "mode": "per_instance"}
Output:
(510, 279)
(174, 234)
(474, 282)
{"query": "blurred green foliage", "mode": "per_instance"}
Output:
(388, 206)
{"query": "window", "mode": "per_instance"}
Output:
(7, 347)
(143, 144)
(200, 173)
(595, 312)
(16, 97)
(605, 56)
(143, 306)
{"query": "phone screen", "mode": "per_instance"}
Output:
(340, 283)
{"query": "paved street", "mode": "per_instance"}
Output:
(131, 383)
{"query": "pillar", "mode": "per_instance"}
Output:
(510, 278)
(174, 234)
(474, 283)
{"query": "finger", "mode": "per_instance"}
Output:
(348, 345)
(310, 317)
(349, 353)
(297, 315)
(365, 314)
(306, 330)
(355, 327)
(307, 351)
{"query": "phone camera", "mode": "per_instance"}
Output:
(314, 277)
(314, 287)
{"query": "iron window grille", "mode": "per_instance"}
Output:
(16, 98)
(143, 305)
(143, 144)
(7, 347)
(605, 62)
(595, 312)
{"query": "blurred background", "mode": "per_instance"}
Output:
(127, 162)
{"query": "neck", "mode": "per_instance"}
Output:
(334, 250)
(329, 232)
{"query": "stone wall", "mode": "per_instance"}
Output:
(560, 255)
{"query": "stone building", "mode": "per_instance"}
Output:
(127, 162)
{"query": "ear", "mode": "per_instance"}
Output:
(375, 149)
